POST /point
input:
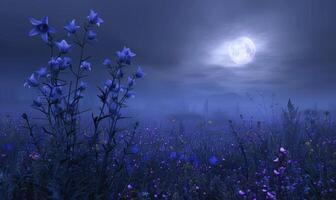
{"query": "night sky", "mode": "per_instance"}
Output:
(175, 41)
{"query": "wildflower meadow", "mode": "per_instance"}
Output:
(66, 150)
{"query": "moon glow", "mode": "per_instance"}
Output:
(242, 50)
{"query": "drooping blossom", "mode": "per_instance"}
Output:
(120, 73)
(107, 62)
(42, 72)
(63, 46)
(32, 81)
(71, 27)
(86, 66)
(94, 19)
(82, 86)
(139, 73)
(130, 81)
(66, 63)
(54, 63)
(130, 94)
(125, 55)
(91, 35)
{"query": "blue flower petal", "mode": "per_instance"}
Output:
(33, 32)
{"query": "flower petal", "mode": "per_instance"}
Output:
(44, 37)
(33, 32)
(35, 22)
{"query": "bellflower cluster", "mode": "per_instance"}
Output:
(59, 103)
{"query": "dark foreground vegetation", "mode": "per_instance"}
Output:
(209, 159)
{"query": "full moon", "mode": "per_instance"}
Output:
(242, 50)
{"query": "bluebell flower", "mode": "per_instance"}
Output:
(124, 56)
(31, 82)
(108, 84)
(66, 63)
(71, 28)
(91, 35)
(42, 72)
(63, 46)
(130, 81)
(41, 27)
(119, 88)
(213, 160)
(130, 94)
(107, 62)
(93, 18)
(139, 73)
(46, 90)
(56, 93)
(120, 73)
(86, 66)
(112, 108)
(79, 95)
(55, 63)
(82, 86)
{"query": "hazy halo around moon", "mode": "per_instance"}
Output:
(241, 50)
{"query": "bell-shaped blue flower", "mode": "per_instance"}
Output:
(41, 27)
(56, 93)
(55, 63)
(125, 56)
(139, 73)
(63, 46)
(71, 28)
(112, 108)
(130, 81)
(108, 84)
(82, 86)
(91, 35)
(42, 72)
(46, 90)
(120, 73)
(93, 18)
(86, 66)
(107, 62)
(32, 82)
(65, 63)
(130, 94)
